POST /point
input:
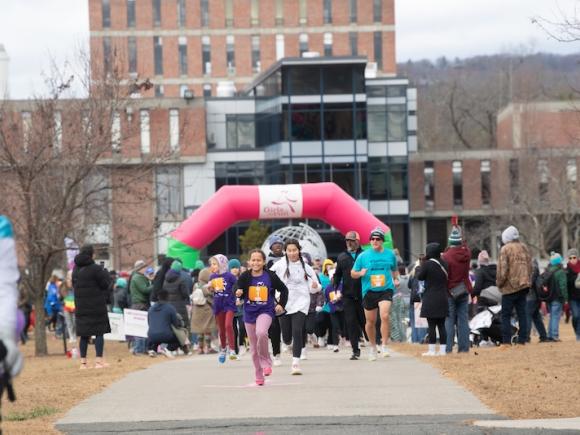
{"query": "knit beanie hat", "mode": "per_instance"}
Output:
(510, 234)
(456, 237)
(121, 283)
(273, 240)
(572, 253)
(377, 232)
(176, 266)
(234, 263)
(483, 258)
(199, 265)
(555, 258)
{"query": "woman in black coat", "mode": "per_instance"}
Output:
(433, 270)
(91, 285)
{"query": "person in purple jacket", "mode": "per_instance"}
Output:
(222, 283)
(257, 287)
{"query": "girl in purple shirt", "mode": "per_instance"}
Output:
(257, 287)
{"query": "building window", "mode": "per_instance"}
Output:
(376, 124)
(378, 11)
(255, 12)
(485, 182)
(544, 179)
(514, 174)
(429, 186)
(571, 171)
(106, 10)
(130, 13)
(240, 131)
(229, 13)
(231, 54)
(457, 172)
(279, 12)
(26, 129)
(174, 129)
(207, 90)
(256, 54)
(328, 44)
(387, 178)
(132, 49)
(107, 64)
(279, 47)
(145, 132)
(116, 132)
(156, 13)
(353, 11)
(204, 13)
(206, 54)
(303, 43)
(159, 91)
(57, 136)
(168, 192)
(303, 11)
(378, 47)
(353, 39)
(396, 123)
(181, 13)
(158, 54)
(327, 11)
(182, 55)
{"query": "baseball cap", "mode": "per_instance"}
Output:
(352, 235)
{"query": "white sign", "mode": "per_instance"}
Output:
(117, 327)
(280, 201)
(136, 323)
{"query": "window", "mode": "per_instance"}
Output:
(303, 11)
(429, 186)
(174, 129)
(279, 12)
(145, 132)
(279, 47)
(377, 11)
(387, 178)
(57, 136)
(327, 14)
(156, 13)
(207, 90)
(396, 91)
(396, 123)
(256, 54)
(97, 196)
(571, 171)
(485, 182)
(132, 49)
(116, 132)
(182, 90)
(204, 13)
(353, 39)
(182, 55)
(206, 54)
(376, 124)
(544, 179)
(181, 13)
(240, 130)
(229, 13)
(303, 81)
(159, 91)
(514, 174)
(107, 54)
(168, 192)
(457, 172)
(131, 13)
(158, 54)
(378, 47)
(353, 11)
(255, 12)
(230, 54)
(304, 122)
(328, 44)
(303, 43)
(106, 11)
(338, 122)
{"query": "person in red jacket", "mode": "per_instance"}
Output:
(458, 258)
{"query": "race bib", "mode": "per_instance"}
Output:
(332, 296)
(377, 281)
(258, 293)
(218, 284)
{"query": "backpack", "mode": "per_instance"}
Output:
(547, 287)
(197, 296)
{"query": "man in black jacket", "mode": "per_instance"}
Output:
(351, 291)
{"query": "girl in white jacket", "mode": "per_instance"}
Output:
(301, 281)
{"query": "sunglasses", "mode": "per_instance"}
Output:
(573, 258)
(351, 240)
(376, 239)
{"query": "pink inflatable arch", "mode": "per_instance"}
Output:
(231, 204)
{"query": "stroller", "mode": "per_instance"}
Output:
(486, 324)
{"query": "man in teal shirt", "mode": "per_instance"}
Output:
(378, 269)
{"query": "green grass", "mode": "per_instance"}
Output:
(40, 411)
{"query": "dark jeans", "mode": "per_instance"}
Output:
(440, 324)
(274, 334)
(99, 346)
(510, 302)
(534, 315)
(293, 325)
(354, 317)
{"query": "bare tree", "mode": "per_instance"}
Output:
(565, 27)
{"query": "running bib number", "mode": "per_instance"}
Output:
(258, 293)
(378, 281)
(332, 296)
(218, 284)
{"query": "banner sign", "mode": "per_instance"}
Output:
(117, 328)
(136, 323)
(280, 201)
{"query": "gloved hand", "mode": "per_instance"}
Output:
(13, 361)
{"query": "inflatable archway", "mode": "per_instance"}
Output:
(232, 204)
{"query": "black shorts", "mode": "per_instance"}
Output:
(372, 299)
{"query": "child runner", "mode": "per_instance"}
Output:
(257, 287)
(301, 281)
(222, 284)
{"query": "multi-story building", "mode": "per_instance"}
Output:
(191, 45)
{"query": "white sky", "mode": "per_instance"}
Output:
(33, 31)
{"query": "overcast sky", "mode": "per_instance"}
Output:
(35, 30)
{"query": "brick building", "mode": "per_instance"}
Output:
(183, 45)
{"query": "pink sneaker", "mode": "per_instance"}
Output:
(267, 371)
(259, 382)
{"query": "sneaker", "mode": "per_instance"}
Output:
(152, 353)
(267, 371)
(321, 342)
(259, 382)
(429, 353)
(277, 361)
(385, 352)
(285, 348)
(295, 370)
(168, 353)
(233, 356)
(222, 356)
(303, 354)
(354, 357)
(372, 354)
(334, 348)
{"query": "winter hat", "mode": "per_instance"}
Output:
(139, 264)
(176, 266)
(121, 283)
(327, 262)
(352, 235)
(222, 262)
(456, 237)
(432, 250)
(275, 239)
(555, 258)
(203, 277)
(572, 253)
(199, 265)
(483, 258)
(510, 234)
(234, 263)
(378, 232)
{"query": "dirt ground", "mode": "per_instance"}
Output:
(534, 381)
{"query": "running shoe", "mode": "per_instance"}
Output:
(303, 354)
(267, 371)
(168, 353)
(372, 354)
(295, 370)
(259, 382)
(222, 356)
(385, 352)
(277, 361)
(233, 356)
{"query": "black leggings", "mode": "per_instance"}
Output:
(293, 324)
(99, 346)
(274, 333)
(440, 324)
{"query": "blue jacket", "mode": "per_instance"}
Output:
(160, 317)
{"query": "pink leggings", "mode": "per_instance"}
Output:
(258, 335)
(225, 323)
